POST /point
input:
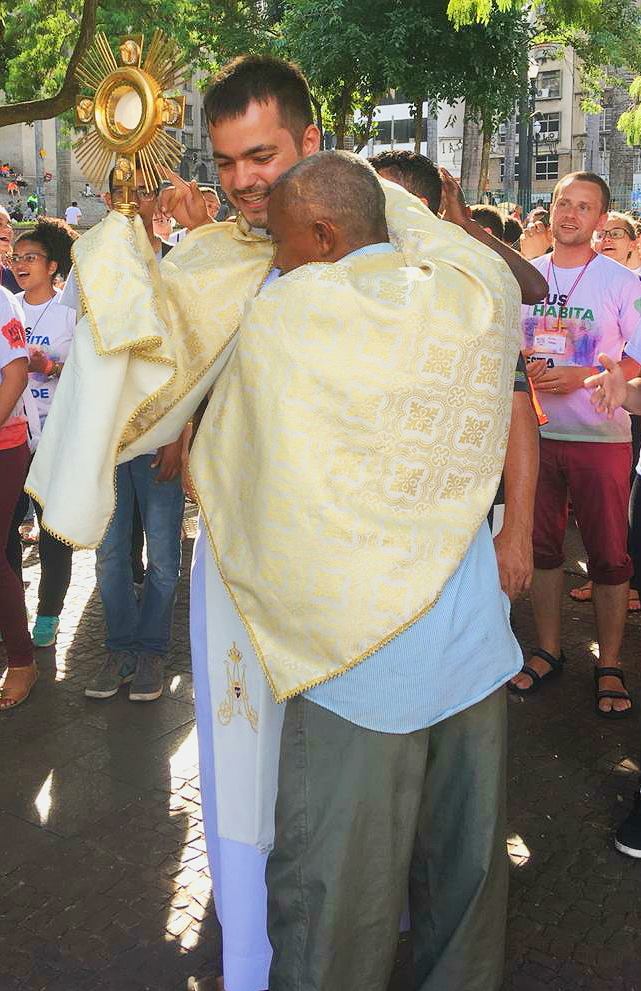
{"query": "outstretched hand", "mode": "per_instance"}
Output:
(608, 388)
(183, 201)
(453, 205)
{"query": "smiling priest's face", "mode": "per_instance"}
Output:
(252, 151)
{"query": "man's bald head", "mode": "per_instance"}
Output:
(324, 207)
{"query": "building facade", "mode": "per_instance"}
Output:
(559, 134)
(564, 139)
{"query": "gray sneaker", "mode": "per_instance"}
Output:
(148, 680)
(117, 670)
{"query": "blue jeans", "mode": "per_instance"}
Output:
(144, 626)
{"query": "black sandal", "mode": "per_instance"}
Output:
(612, 713)
(556, 667)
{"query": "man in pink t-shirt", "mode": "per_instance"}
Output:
(593, 306)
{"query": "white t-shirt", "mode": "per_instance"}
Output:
(13, 431)
(602, 313)
(49, 327)
(73, 214)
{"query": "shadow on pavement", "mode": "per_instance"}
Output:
(102, 854)
(102, 857)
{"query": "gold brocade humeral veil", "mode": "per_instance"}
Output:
(353, 446)
(151, 341)
(355, 436)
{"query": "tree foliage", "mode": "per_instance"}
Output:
(605, 34)
(483, 62)
(352, 51)
(340, 45)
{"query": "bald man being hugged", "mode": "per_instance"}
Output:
(356, 436)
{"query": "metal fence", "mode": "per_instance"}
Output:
(622, 198)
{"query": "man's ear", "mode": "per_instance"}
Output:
(310, 142)
(106, 199)
(325, 238)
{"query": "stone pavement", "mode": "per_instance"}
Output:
(105, 884)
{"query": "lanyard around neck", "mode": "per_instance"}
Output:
(552, 269)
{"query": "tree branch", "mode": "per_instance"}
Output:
(52, 106)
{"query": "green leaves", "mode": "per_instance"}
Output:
(463, 12)
(352, 51)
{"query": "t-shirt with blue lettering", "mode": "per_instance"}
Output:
(603, 311)
(13, 430)
(49, 327)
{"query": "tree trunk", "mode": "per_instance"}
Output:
(484, 171)
(366, 129)
(471, 154)
(417, 113)
(39, 146)
(509, 167)
(342, 115)
(63, 170)
(431, 148)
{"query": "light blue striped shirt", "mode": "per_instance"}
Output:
(455, 655)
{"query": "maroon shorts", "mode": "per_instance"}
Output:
(596, 477)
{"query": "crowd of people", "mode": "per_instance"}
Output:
(383, 397)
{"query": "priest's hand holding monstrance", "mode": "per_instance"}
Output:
(127, 103)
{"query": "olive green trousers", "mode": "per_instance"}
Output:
(363, 819)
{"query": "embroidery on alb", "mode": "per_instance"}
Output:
(236, 701)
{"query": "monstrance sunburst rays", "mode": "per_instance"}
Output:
(128, 104)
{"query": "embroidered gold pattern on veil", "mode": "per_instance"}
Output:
(354, 438)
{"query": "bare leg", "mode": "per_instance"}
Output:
(546, 592)
(610, 608)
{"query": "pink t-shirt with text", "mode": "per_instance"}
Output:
(602, 313)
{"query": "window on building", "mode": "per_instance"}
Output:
(516, 168)
(403, 132)
(188, 139)
(636, 166)
(606, 120)
(549, 126)
(503, 130)
(548, 85)
(189, 115)
(547, 167)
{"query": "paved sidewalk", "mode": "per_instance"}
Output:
(102, 858)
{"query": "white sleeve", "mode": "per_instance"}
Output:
(630, 311)
(13, 342)
(70, 296)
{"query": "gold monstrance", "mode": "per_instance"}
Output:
(128, 106)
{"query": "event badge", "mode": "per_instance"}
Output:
(549, 342)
